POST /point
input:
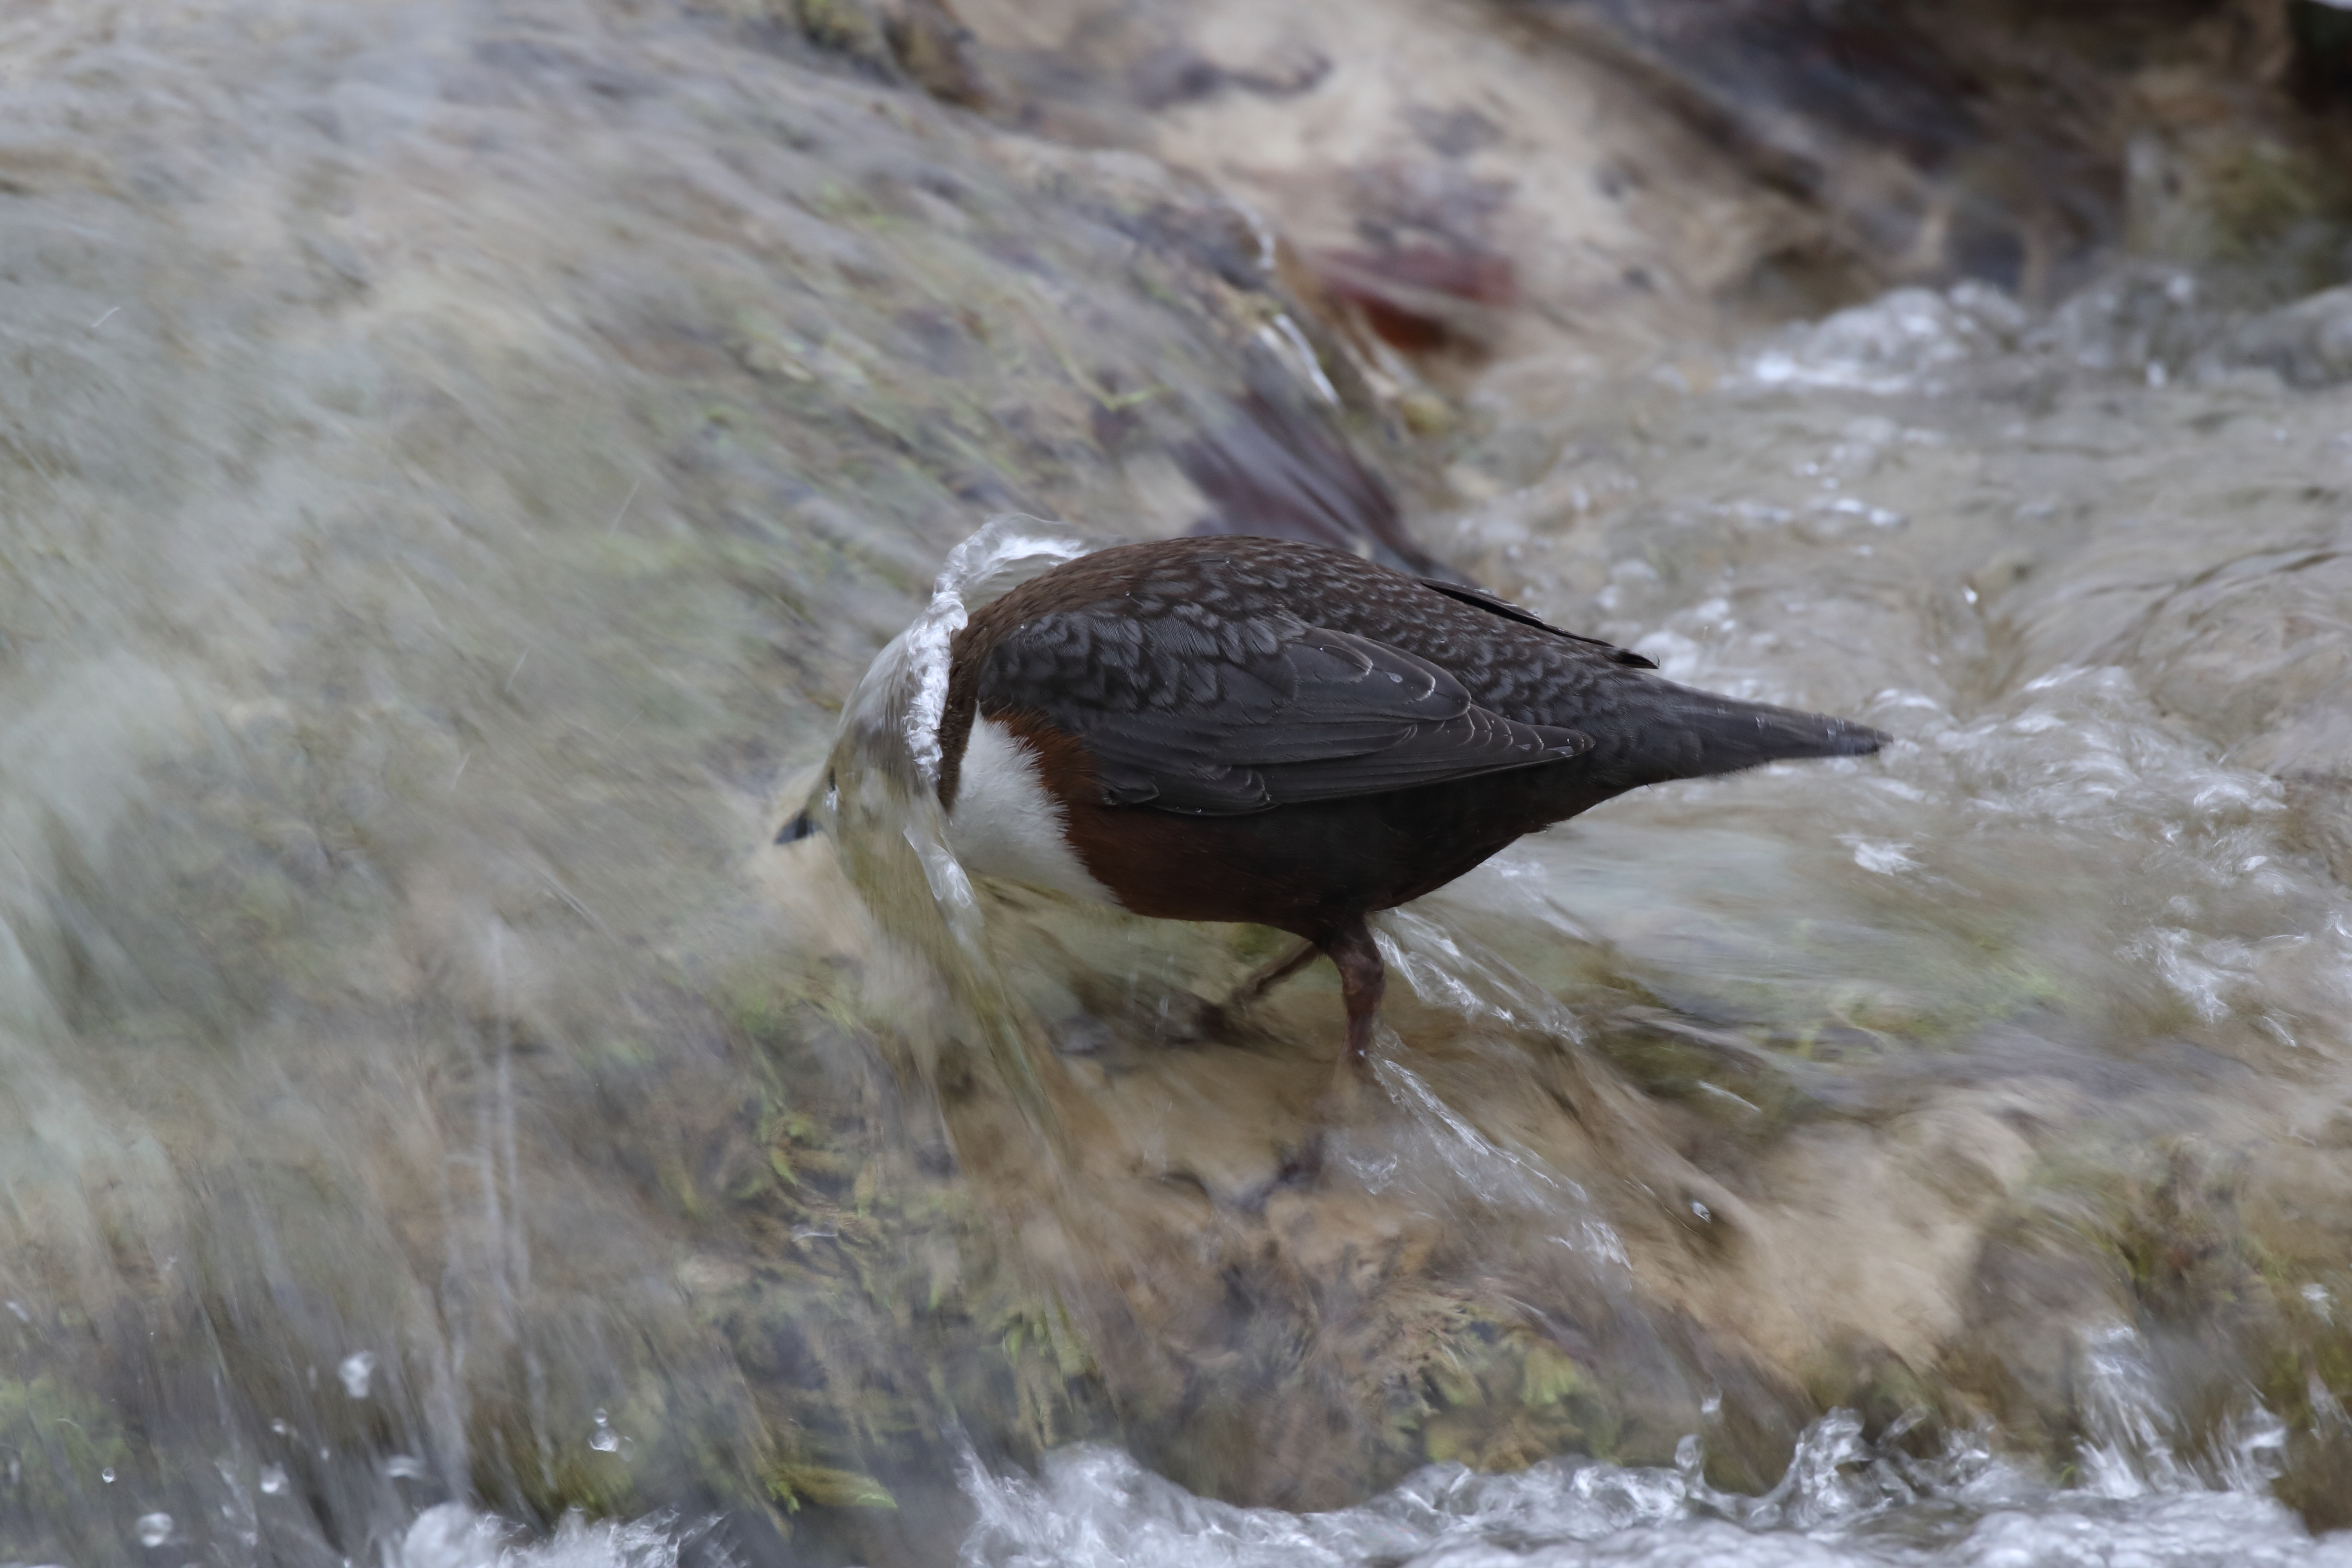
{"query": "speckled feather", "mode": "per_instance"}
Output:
(1231, 675)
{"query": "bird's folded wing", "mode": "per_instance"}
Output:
(1227, 716)
(1494, 604)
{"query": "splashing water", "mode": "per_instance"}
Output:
(1840, 1505)
(1004, 553)
(454, 1536)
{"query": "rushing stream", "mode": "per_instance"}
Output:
(457, 461)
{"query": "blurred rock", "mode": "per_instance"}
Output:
(1588, 177)
(1453, 190)
(1273, 468)
(2309, 343)
(2017, 145)
(2321, 32)
(1867, 112)
(918, 41)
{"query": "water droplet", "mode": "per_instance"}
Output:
(605, 1440)
(355, 1370)
(154, 1529)
(405, 1468)
(282, 1429)
(22, 1315)
(273, 1480)
(107, 1475)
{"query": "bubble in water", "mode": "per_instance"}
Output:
(405, 1468)
(273, 1480)
(154, 1529)
(605, 1440)
(355, 1371)
(107, 1475)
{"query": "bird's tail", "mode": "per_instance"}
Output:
(1690, 734)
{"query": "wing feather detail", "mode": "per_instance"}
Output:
(1227, 715)
(1495, 605)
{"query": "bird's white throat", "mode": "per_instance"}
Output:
(1005, 824)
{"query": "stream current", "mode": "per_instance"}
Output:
(436, 553)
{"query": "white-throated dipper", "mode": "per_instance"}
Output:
(1255, 729)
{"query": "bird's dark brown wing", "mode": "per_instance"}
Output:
(1195, 711)
(1494, 604)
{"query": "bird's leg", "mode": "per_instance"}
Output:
(1362, 978)
(1252, 991)
(1221, 1017)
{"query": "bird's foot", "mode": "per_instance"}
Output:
(1344, 1103)
(1182, 1019)
(1254, 990)
(1301, 1164)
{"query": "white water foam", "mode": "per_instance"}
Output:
(1004, 551)
(1840, 1506)
(455, 1536)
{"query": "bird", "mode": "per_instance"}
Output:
(1287, 735)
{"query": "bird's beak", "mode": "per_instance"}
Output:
(813, 787)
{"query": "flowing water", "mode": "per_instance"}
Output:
(459, 460)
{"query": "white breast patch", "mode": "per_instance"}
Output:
(1004, 825)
